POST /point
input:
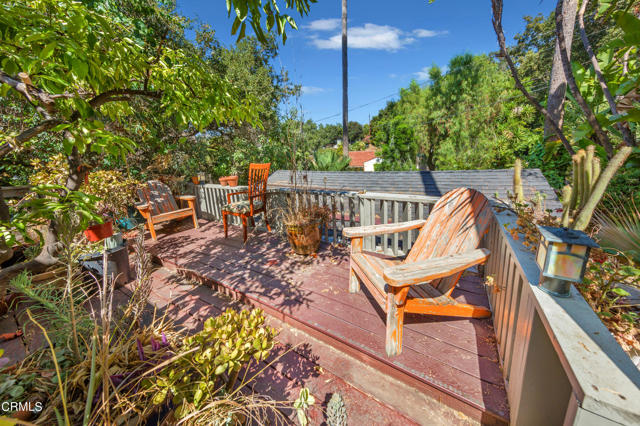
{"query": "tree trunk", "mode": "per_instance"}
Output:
(51, 247)
(345, 84)
(558, 81)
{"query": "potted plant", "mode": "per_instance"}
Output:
(99, 231)
(232, 179)
(116, 193)
(302, 218)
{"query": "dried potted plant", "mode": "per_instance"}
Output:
(302, 218)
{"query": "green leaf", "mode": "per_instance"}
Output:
(159, 397)
(48, 50)
(620, 292)
(80, 68)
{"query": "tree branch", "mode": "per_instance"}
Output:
(37, 129)
(497, 26)
(601, 136)
(624, 130)
(105, 97)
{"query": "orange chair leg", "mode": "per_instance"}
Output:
(395, 320)
(152, 230)
(192, 205)
(226, 226)
(266, 222)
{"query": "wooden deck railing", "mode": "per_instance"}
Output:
(560, 363)
(349, 209)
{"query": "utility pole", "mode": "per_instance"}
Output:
(345, 84)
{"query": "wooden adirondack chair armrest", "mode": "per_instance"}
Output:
(235, 193)
(390, 228)
(144, 209)
(186, 197)
(430, 269)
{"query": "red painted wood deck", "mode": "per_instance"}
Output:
(453, 360)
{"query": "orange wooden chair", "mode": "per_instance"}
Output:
(255, 203)
(158, 205)
(422, 283)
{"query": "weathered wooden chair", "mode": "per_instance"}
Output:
(255, 203)
(422, 283)
(158, 205)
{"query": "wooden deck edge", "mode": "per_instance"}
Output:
(439, 394)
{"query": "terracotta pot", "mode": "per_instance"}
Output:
(99, 232)
(195, 180)
(232, 180)
(223, 181)
(304, 239)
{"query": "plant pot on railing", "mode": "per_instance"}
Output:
(195, 180)
(228, 180)
(304, 238)
(99, 231)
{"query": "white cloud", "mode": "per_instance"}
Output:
(422, 33)
(324, 24)
(312, 90)
(423, 74)
(373, 36)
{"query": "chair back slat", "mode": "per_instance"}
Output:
(456, 224)
(258, 175)
(158, 196)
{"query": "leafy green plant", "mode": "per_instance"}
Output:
(602, 289)
(302, 404)
(227, 343)
(115, 191)
(329, 160)
(47, 203)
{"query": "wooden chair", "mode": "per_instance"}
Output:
(255, 203)
(158, 205)
(422, 283)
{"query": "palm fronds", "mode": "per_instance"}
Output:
(620, 227)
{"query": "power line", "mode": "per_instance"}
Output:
(541, 79)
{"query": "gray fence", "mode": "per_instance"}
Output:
(560, 363)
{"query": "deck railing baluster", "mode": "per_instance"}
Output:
(385, 220)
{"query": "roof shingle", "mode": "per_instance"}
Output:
(492, 183)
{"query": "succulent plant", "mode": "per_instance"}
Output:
(336, 411)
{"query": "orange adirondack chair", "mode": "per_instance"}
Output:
(422, 283)
(255, 203)
(158, 205)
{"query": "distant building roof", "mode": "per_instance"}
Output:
(358, 158)
(436, 183)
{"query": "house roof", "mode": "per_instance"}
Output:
(358, 158)
(434, 183)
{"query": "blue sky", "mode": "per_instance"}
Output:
(390, 43)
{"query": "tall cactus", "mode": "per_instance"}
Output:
(580, 199)
(517, 181)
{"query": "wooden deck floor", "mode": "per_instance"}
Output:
(452, 360)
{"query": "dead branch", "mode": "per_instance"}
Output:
(601, 136)
(497, 26)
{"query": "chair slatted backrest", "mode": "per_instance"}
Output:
(258, 175)
(456, 224)
(158, 196)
